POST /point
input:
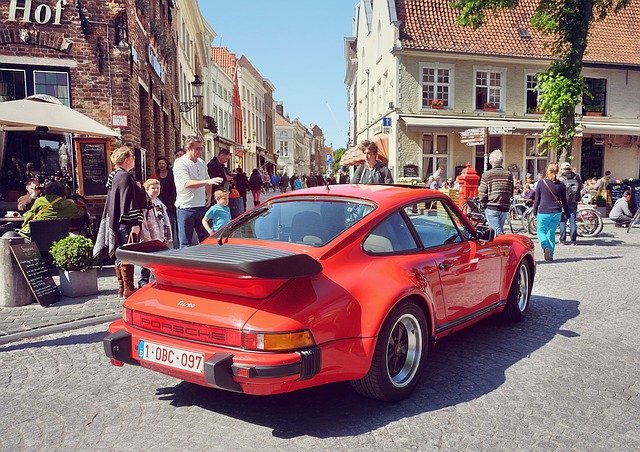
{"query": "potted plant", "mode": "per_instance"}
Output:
(74, 255)
(437, 104)
(592, 110)
(489, 106)
(601, 205)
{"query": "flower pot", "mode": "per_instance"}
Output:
(489, 108)
(593, 113)
(437, 107)
(79, 283)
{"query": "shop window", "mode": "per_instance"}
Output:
(13, 84)
(434, 155)
(596, 99)
(54, 84)
(536, 157)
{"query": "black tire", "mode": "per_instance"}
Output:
(589, 223)
(399, 356)
(519, 293)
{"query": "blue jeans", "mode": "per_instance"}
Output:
(547, 225)
(189, 220)
(573, 227)
(496, 220)
(123, 237)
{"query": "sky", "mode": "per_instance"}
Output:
(299, 46)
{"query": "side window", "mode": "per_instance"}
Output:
(392, 235)
(433, 223)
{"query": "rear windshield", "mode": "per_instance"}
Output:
(309, 222)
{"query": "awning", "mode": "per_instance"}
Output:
(459, 124)
(48, 114)
(355, 156)
(610, 128)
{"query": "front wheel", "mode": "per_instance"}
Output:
(589, 223)
(519, 293)
(399, 356)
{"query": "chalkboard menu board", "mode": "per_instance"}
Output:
(93, 168)
(617, 191)
(410, 171)
(36, 273)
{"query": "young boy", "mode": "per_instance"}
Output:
(219, 214)
(156, 224)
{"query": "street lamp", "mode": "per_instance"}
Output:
(197, 86)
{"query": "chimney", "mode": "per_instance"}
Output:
(280, 109)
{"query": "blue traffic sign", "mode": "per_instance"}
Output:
(329, 159)
(386, 122)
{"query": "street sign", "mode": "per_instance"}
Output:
(329, 159)
(386, 122)
(472, 132)
(501, 130)
(474, 142)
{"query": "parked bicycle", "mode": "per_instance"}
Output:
(473, 209)
(588, 221)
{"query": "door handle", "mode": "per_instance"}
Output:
(444, 266)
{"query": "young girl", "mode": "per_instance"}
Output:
(219, 214)
(156, 224)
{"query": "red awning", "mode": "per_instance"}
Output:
(354, 156)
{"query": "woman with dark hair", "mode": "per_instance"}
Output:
(255, 185)
(122, 215)
(167, 192)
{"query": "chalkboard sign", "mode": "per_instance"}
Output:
(36, 273)
(410, 171)
(617, 191)
(636, 196)
(92, 165)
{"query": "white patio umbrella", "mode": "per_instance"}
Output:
(48, 114)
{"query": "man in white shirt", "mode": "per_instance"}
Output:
(193, 189)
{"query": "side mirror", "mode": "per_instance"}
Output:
(485, 233)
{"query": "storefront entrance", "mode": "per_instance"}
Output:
(592, 158)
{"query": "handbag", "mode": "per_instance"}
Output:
(563, 215)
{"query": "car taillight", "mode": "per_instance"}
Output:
(126, 315)
(277, 342)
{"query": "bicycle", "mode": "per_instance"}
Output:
(473, 210)
(588, 221)
(515, 215)
(634, 220)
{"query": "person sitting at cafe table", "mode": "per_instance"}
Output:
(34, 190)
(53, 205)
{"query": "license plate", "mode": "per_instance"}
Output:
(171, 356)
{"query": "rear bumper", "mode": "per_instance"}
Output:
(223, 369)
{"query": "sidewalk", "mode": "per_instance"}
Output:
(17, 323)
(20, 322)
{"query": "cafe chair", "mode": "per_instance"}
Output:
(45, 232)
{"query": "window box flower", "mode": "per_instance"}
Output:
(490, 107)
(437, 104)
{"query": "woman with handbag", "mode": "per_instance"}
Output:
(122, 215)
(549, 206)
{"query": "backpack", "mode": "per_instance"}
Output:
(573, 189)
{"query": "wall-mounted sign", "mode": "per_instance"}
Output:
(93, 165)
(42, 13)
(155, 62)
(410, 171)
(386, 122)
(120, 120)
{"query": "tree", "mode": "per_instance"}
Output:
(337, 155)
(567, 23)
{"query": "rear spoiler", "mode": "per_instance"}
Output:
(245, 260)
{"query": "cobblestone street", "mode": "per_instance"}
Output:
(564, 379)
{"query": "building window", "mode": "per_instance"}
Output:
(284, 149)
(436, 84)
(489, 89)
(54, 84)
(532, 93)
(435, 153)
(13, 85)
(597, 100)
(536, 157)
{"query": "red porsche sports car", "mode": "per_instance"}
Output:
(339, 283)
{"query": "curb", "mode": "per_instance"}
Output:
(60, 328)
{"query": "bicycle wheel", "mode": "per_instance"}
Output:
(589, 223)
(532, 224)
(526, 218)
(634, 220)
(516, 213)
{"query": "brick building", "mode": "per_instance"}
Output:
(111, 60)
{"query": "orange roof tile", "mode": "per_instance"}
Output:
(281, 121)
(225, 59)
(430, 25)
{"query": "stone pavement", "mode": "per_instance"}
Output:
(33, 320)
